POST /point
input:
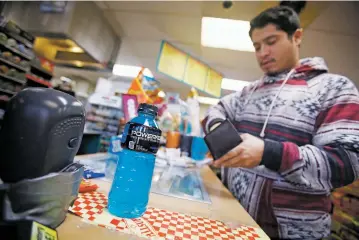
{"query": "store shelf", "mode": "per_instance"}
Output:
(14, 65)
(12, 79)
(17, 38)
(17, 52)
(40, 69)
(37, 80)
(6, 91)
(115, 124)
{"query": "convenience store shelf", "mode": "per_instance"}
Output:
(3, 76)
(15, 51)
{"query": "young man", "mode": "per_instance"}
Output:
(300, 130)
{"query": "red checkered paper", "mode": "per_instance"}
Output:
(163, 224)
(89, 205)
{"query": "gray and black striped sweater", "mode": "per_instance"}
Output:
(311, 147)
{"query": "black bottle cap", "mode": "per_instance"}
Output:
(144, 107)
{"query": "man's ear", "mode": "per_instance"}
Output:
(297, 36)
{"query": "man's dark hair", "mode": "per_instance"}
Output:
(284, 17)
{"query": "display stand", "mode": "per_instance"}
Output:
(19, 66)
(15, 56)
(39, 76)
(103, 117)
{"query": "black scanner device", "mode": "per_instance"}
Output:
(41, 133)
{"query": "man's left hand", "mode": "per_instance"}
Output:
(247, 154)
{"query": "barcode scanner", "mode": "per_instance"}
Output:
(41, 133)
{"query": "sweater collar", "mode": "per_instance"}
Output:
(308, 68)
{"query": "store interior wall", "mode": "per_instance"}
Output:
(339, 47)
(120, 84)
(95, 34)
(80, 86)
(82, 22)
(333, 35)
(334, 38)
(28, 15)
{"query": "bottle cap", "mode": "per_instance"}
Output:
(148, 107)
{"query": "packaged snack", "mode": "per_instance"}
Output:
(7, 55)
(4, 69)
(3, 38)
(11, 43)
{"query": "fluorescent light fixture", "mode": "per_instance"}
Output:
(207, 100)
(79, 63)
(130, 71)
(76, 49)
(233, 84)
(226, 33)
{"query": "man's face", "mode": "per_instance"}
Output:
(275, 51)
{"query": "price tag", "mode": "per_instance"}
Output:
(41, 232)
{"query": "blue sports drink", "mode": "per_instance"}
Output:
(113, 154)
(131, 185)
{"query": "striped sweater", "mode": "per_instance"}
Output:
(311, 147)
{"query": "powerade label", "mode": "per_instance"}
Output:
(140, 138)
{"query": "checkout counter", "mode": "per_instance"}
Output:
(206, 198)
(185, 202)
(192, 194)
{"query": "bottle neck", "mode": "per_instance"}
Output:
(146, 114)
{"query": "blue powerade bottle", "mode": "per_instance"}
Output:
(131, 185)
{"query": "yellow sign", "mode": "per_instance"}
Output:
(214, 83)
(181, 66)
(41, 232)
(196, 73)
(172, 61)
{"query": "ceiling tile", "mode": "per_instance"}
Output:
(146, 24)
(340, 17)
(137, 25)
(229, 58)
(160, 26)
(168, 7)
(240, 10)
(101, 4)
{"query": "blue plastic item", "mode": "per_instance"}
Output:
(88, 174)
(131, 185)
(199, 149)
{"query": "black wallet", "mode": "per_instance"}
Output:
(222, 139)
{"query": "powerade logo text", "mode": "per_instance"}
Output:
(145, 135)
(140, 138)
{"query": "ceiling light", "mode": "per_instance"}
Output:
(76, 50)
(233, 84)
(207, 100)
(226, 33)
(130, 71)
(79, 63)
